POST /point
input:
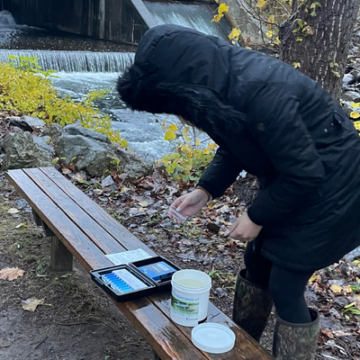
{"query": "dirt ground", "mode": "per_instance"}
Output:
(78, 321)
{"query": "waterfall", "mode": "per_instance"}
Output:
(190, 15)
(6, 19)
(75, 61)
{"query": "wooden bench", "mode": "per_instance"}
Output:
(80, 228)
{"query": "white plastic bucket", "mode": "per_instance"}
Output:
(190, 297)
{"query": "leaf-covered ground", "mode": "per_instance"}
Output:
(142, 205)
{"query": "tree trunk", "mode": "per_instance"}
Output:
(315, 39)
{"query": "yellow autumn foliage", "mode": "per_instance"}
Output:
(189, 159)
(354, 115)
(27, 90)
(235, 33)
(217, 17)
(223, 8)
(261, 3)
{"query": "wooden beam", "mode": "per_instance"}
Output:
(37, 218)
(61, 257)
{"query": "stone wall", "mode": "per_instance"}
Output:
(123, 21)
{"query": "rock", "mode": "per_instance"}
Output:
(341, 301)
(350, 96)
(136, 167)
(44, 144)
(34, 122)
(86, 154)
(1, 145)
(108, 181)
(138, 170)
(54, 131)
(22, 152)
(79, 130)
(353, 254)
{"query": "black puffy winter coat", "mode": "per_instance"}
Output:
(270, 120)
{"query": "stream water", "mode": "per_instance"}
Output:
(85, 64)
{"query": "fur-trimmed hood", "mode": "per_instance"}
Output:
(182, 72)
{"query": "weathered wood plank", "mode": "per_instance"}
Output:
(91, 228)
(246, 348)
(61, 257)
(89, 255)
(159, 331)
(119, 232)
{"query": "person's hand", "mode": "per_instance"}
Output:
(188, 205)
(244, 229)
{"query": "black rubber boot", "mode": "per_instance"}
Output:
(252, 306)
(296, 341)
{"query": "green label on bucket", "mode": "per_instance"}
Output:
(184, 307)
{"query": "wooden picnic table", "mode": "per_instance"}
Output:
(81, 228)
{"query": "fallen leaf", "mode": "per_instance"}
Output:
(13, 211)
(313, 278)
(11, 273)
(327, 333)
(347, 289)
(350, 305)
(336, 288)
(143, 203)
(186, 242)
(77, 177)
(124, 189)
(340, 333)
(97, 192)
(31, 304)
(66, 171)
(20, 226)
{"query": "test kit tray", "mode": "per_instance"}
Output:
(135, 280)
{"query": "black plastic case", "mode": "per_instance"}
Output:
(162, 284)
(153, 285)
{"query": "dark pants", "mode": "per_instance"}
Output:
(286, 286)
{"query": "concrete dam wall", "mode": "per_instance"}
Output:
(123, 21)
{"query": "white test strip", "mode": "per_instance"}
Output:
(130, 279)
(177, 215)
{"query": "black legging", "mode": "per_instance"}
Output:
(286, 286)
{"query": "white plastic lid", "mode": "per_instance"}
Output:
(213, 338)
